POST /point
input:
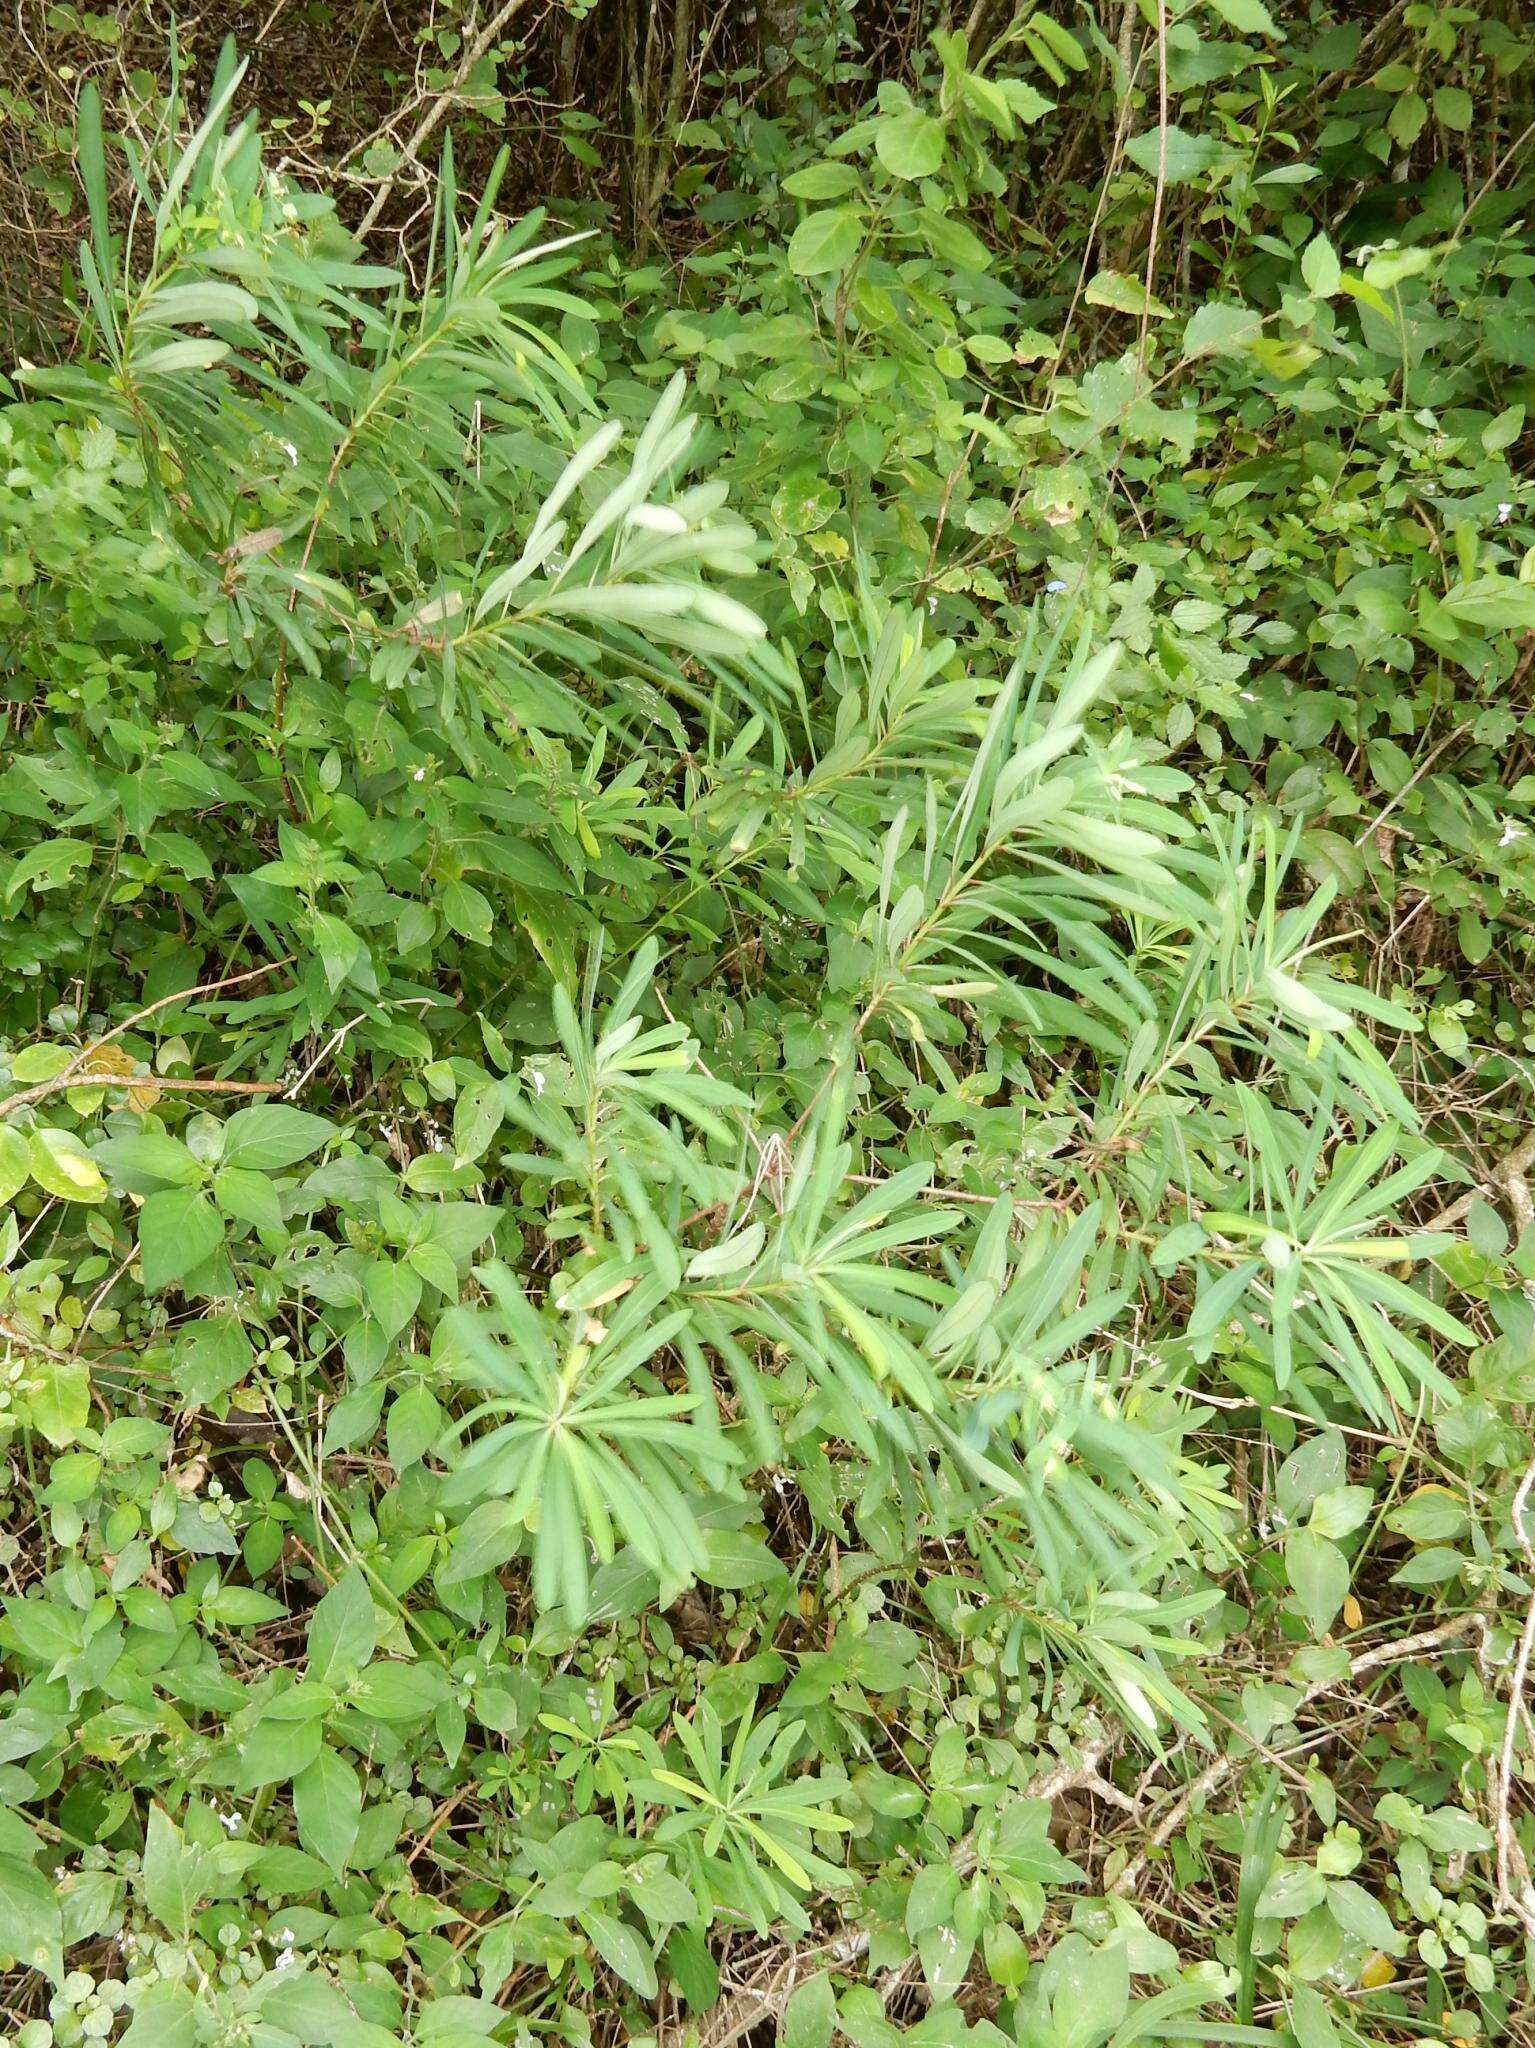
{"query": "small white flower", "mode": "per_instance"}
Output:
(539, 1083)
(285, 1936)
(1505, 512)
(1055, 584)
(231, 1822)
(285, 1960)
(291, 452)
(1511, 832)
(418, 775)
(932, 605)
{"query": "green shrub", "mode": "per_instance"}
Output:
(702, 1196)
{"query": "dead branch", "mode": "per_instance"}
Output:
(1217, 1772)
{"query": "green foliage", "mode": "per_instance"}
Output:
(727, 1287)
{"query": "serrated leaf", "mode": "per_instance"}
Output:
(1219, 329)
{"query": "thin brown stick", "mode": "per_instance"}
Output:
(1116, 152)
(474, 50)
(948, 492)
(99, 1297)
(60, 1083)
(1511, 1167)
(1416, 777)
(74, 1075)
(1223, 1767)
(203, 988)
(1516, 1890)
(12, 1333)
(1492, 178)
(1160, 195)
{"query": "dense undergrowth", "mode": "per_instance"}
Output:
(764, 1062)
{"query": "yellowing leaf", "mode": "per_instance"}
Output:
(1121, 294)
(15, 1162)
(61, 1164)
(112, 1060)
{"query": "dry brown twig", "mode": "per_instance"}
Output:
(1507, 1175)
(1516, 1888)
(1223, 1767)
(1160, 194)
(23, 1340)
(61, 1082)
(473, 51)
(76, 1074)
